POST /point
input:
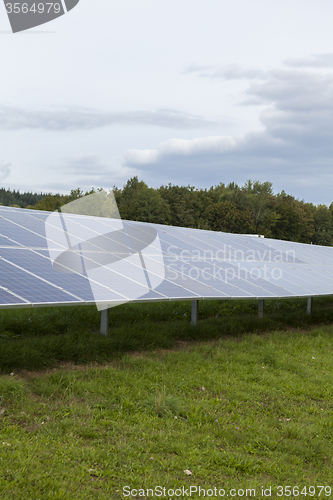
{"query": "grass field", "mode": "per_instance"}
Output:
(234, 402)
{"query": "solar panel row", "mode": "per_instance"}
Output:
(54, 259)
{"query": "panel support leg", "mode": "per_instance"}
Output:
(105, 322)
(261, 308)
(309, 305)
(194, 312)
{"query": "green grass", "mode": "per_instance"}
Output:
(238, 412)
(240, 402)
(35, 339)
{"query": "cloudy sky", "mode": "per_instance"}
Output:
(180, 91)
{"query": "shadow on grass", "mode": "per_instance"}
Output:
(41, 338)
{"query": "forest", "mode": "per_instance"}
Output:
(252, 208)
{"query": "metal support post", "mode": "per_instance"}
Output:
(105, 322)
(261, 308)
(309, 305)
(194, 312)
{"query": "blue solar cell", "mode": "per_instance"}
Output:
(228, 278)
(42, 267)
(121, 284)
(6, 242)
(322, 279)
(282, 279)
(306, 253)
(254, 279)
(6, 298)
(217, 246)
(296, 276)
(321, 272)
(77, 284)
(27, 221)
(174, 291)
(38, 214)
(29, 287)
(21, 235)
(99, 225)
(153, 295)
(3, 208)
(251, 249)
(193, 279)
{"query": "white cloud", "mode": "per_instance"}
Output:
(313, 61)
(76, 118)
(5, 169)
(181, 147)
(293, 147)
(227, 72)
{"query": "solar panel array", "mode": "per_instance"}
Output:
(43, 263)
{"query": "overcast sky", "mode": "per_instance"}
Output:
(182, 91)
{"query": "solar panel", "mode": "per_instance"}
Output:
(27, 221)
(52, 258)
(7, 242)
(41, 267)
(31, 288)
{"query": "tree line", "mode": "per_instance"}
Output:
(249, 209)
(14, 198)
